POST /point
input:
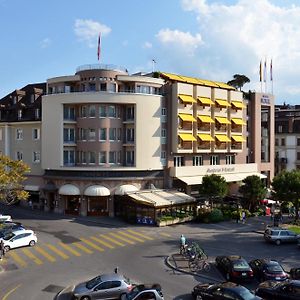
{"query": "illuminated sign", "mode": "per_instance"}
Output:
(220, 170)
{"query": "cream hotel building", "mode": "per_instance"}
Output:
(102, 141)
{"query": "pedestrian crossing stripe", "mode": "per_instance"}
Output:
(112, 240)
(165, 234)
(32, 256)
(122, 238)
(140, 234)
(91, 244)
(102, 242)
(70, 249)
(58, 252)
(17, 258)
(44, 253)
(131, 237)
(82, 247)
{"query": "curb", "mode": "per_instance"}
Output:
(170, 265)
(1, 269)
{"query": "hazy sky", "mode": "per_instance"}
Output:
(205, 39)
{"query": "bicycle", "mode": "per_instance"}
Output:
(198, 264)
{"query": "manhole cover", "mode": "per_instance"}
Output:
(53, 288)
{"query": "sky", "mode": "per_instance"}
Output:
(199, 38)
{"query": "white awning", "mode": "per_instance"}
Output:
(96, 190)
(33, 188)
(126, 188)
(191, 180)
(69, 190)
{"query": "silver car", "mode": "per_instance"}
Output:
(145, 291)
(106, 286)
(279, 235)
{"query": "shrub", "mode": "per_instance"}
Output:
(216, 215)
(203, 216)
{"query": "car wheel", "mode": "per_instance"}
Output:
(31, 243)
(85, 298)
(278, 242)
(199, 297)
(227, 276)
(6, 248)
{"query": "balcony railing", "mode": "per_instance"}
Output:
(110, 67)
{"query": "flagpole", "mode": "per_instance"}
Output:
(153, 62)
(260, 76)
(271, 74)
(265, 75)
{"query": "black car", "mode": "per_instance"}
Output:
(295, 273)
(222, 291)
(274, 290)
(265, 269)
(234, 268)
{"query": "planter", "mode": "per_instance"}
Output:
(161, 223)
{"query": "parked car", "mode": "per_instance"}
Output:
(279, 235)
(7, 230)
(273, 290)
(265, 269)
(143, 292)
(295, 273)
(11, 225)
(4, 218)
(104, 286)
(234, 268)
(19, 238)
(222, 291)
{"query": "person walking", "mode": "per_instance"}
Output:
(30, 204)
(182, 244)
(243, 217)
(2, 250)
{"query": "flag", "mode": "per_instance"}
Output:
(265, 71)
(271, 71)
(260, 72)
(99, 46)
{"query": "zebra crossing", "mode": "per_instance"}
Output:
(52, 253)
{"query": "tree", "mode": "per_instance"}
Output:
(213, 186)
(253, 190)
(12, 175)
(286, 187)
(238, 81)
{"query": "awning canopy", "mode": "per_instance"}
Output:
(125, 188)
(96, 190)
(33, 188)
(69, 190)
(205, 137)
(222, 120)
(187, 117)
(187, 137)
(238, 104)
(238, 138)
(187, 98)
(222, 138)
(205, 100)
(223, 102)
(206, 119)
(238, 121)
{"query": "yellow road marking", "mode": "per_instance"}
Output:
(17, 258)
(91, 244)
(102, 242)
(131, 237)
(121, 238)
(140, 234)
(58, 252)
(44, 253)
(83, 248)
(32, 256)
(10, 292)
(112, 240)
(165, 234)
(70, 249)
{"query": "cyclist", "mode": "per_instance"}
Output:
(182, 244)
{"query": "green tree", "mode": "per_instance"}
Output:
(286, 187)
(213, 186)
(12, 175)
(238, 81)
(253, 190)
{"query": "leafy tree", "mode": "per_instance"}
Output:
(253, 190)
(213, 186)
(238, 81)
(286, 187)
(12, 175)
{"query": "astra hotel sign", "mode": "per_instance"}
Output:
(220, 170)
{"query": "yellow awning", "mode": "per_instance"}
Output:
(238, 104)
(186, 98)
(222, 102)
(224, 85)
(205, 137)
(172, 76)
(187, 117)
(222, 120)
(206, 100)
(238, 121)
(238, 138)
(222, 138)
(187, 137)
(206, 119)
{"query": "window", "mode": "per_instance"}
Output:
(67, 89)
(69, 135)
(83, 134)
(83, 157)
(102, 134)
(197, 160)
(214, 160)
(92, 157)
(92, 134)
(178, 161)
(111, 111)
(112, 134)
(20, 113)
(276, 142)
(92, 87)
(19, 134)
(163, 155)
(37, 113)
(102, 111)
(19, 155)
(69, 113)
(298, 142)
(119, 134)
(130, 113)
(230, 159)
(69, 157)
(35, 133)
(36, 156)
(163, 133)
(102, 87)
(163, 111)
(111, 87)
(282, 142)
(112, 157)
(92, 111)
(279, 128)
(83, 111)
(102, 157)
(130, 135)
(129, 155)
(298, 155)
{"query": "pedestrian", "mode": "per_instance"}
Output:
(30, 204)
(243, 217)
(116, 270)
(182, 244)
(2, 250)
(272, 211)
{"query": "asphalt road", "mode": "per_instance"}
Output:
(72, 250)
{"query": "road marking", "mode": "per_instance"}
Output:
(140, 234)
(112, 240)
(44, 253)
(32, 256)
(17, 258)
(10, 292)
(121, 238)
(58, 252)
(165, 234)
(83, 248)
(102, 242)
(70, 249)
(131, 237)
(91, 244)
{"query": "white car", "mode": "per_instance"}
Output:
(4, 218)
(19, 238)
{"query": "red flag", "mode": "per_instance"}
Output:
(271, 71)
(99, 46)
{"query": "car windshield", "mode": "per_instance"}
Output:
(246, 294)
(93, 282)
(132, 294)
(9, 236)
(240, 264)
(274, 269)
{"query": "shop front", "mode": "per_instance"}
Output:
(70, 196)
(98, 198)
